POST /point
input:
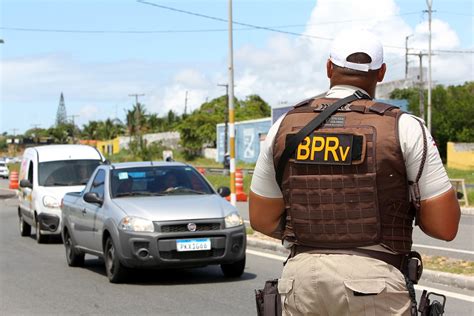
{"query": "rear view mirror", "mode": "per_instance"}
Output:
(223, 191)
(92, 197)
(25, 183)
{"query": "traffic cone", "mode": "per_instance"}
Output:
(239, 186)
(13, 180)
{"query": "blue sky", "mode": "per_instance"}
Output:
(99, 52)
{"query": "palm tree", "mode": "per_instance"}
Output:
(90, 130)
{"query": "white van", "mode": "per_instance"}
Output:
(46, 174)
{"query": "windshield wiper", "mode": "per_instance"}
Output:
(137, 193)
(181, 189)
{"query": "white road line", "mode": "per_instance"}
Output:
(444, 249)
(429, 247)
(266, 255)
(461, 297)
(458, 296)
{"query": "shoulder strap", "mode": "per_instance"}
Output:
(309, 128)
(416, 196)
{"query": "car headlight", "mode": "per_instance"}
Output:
(50, 201)
(136, 224)
(232, 220)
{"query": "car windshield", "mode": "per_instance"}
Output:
(158, 180)
(2, 164)
(66, 172)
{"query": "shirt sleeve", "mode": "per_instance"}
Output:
(263, 179)
(434, 179)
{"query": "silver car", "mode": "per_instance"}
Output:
(152, 215)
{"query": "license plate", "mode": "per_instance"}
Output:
(193, 244)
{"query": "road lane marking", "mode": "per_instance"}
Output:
(458, 296)
(429, 247)
(419, 288)
(266, 255)
(445, 249)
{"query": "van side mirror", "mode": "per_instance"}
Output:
(25, 183)
(92, 197)
(223, 191)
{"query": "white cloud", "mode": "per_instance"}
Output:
(88, 113)
(283, 69)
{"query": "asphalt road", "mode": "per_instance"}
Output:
(35, 279)
(462, 247)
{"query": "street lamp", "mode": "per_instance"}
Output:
(233, 197)
(429, 3)
(406, 55)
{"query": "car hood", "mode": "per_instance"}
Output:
(175, 207)
(58, 192)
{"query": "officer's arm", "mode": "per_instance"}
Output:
(439, 216)
(265, 213)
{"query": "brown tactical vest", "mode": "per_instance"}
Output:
(346, 184)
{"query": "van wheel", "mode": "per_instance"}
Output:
(25, 228)
(40, 238)
(74, 257)
(233, 270)
(115, 270)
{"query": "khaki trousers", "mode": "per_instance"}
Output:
(334, 284)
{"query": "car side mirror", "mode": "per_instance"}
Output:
(92, 197)
(223, 191)
(25, 183)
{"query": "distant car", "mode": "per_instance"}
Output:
(4, 172)
(46, 173)
(152, 215)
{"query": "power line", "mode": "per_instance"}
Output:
(247, 26)
(234, 22)
(273, 29)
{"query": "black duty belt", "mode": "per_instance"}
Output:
(399, 261)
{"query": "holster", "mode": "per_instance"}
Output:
(268, 299)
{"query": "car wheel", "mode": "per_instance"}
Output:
(74, 257)
(115, 270)
(40, 238)
(25, 228)
(233, 270)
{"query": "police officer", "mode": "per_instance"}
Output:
(343, 205)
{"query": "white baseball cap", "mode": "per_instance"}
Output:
(360, 41)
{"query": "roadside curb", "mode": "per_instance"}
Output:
(444, 278)
(7, 193)
(467, 210)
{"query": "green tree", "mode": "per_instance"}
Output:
(452, 112)
(199, 128)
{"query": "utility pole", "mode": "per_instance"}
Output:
(421, 83)
(226, 122)
(35, 128)
(233, 198)
(185, 102)
(429, 3)
(406, 55)
(14, 141)
(138, 118)
(73, 127)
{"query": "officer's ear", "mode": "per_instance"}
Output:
(381, 72)
(329, 68)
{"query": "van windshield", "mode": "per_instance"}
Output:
(66, 172)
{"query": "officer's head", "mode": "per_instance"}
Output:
(356, 58)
